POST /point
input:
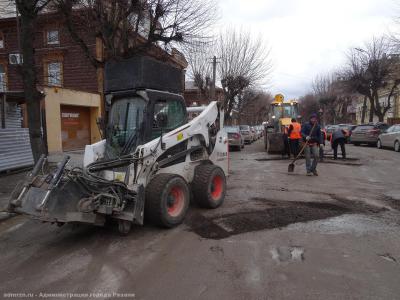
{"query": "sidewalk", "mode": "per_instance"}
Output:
(76, 158)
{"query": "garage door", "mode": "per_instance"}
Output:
(75, 127)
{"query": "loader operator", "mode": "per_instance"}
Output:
(311, 133)
(294, 137)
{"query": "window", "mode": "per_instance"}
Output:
(175, 112)
(125, 123)
(3, 79)
(54, 74)
(52, 37)
(1, 40)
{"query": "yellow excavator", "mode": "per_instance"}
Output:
(280, 116)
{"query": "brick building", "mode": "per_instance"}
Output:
(194, 97)
(72, 87)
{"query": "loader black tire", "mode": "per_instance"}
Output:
(167, 200)
(209, 186)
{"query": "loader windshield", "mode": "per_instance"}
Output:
(125, 121)
(285, 110)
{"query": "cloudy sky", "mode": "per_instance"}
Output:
(308, 37)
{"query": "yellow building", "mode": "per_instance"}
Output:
(71, 119)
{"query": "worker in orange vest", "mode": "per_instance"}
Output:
(294, 133)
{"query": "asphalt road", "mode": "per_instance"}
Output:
(277, 236)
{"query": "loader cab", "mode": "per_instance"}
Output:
(140, 116)
(282, 113)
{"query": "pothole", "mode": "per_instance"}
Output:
(277, 214)
(328, 160)
(272, 159)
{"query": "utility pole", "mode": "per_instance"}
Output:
(214, 78)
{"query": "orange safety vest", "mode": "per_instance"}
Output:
(295, 134)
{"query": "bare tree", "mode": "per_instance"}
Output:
(244, 62)
(372, 71)
(308, 105)
(254, 107)
(199, 58)
(29, 10)
(333, 97)
(127, 27)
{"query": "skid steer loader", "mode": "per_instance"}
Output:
(151, 162)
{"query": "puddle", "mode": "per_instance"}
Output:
(277, 214)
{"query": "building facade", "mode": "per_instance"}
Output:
(194, 97)
(71, 85)
(65, 76)
(391, 117)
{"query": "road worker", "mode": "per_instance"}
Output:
(338, 138)
(311, 133)
(294, 132)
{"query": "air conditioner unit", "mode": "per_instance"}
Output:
(15, 59)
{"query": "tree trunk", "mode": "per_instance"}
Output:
(32, 95)
(379, 111)
(364, 110)
(371, 109)
(371, 115)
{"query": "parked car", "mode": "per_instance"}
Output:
(246, 133)
(260, 131)
(235, 138)
(390, 138)
(352, 127)
(367, 133)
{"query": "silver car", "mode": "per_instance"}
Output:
(247, 134)
(235, 137)
(390, 138)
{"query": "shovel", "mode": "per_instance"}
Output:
(291, 166)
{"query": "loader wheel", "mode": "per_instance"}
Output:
(167, 200)
(209, 186)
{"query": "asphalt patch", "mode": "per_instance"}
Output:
(277, 214)
(273, 159)
(347, 162)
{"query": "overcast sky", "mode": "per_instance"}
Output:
(308, 37)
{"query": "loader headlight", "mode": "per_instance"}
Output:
(273, 117)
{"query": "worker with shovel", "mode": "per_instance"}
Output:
(311, 133)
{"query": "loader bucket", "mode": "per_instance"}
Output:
(62, 205)
(275, 142)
